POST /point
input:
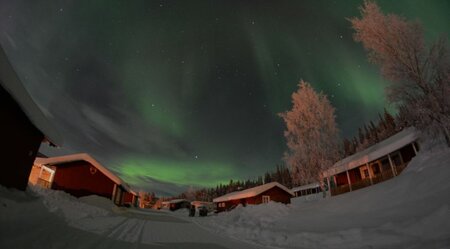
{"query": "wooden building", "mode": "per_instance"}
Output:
(308, 189)
(209, 205)
(307, 193)
(81, 175)
(375, 164)
(273, 191)
(24, 127)
(178, 204)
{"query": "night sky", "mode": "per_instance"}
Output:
(171, 94)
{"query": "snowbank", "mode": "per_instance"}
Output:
(409, 211)
(42, 218)
(98, 201)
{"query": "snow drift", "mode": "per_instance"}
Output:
(408, 211)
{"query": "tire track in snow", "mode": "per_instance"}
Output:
(129, 231)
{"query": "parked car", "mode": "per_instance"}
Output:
(202, 210)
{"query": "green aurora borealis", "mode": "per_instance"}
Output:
(179, 93)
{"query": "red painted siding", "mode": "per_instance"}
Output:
(341, 179)
(21, 141)
(355, 175)
(276, 194)
(127, 198)
(81, 178)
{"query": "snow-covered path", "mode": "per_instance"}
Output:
(54, 219)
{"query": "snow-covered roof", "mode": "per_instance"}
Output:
(375, 151)
(303, 187)
(247, 193)
(12, 84)
(82, 157)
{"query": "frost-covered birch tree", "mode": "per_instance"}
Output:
(419, 75)
(311, 134)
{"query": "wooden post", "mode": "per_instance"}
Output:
(113, 198)
(52, 176)
(329, 186)
(414, 148)
(40, 172)
(380, 166)
(348, 179)
(370, 173)
(392, 165)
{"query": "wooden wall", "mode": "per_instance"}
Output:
(127, 198)
(20, 143)
(34, 175)
(276, 194)
(80, 178)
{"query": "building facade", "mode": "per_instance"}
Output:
(375, 164)
(273, 191)
(81, 175)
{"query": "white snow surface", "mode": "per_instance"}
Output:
(247, 193)
(307, 186)
(408, 211)
(42, 218)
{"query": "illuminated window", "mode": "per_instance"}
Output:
(265, 198)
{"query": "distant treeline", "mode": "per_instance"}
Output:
(372, 133)
(281, 174)
(368, 135)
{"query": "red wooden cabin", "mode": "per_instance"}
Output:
(273, 191)
(24, 127)
(81, 175)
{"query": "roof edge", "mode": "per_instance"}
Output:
(10, 81)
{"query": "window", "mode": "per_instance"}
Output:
(366, 173)
(222, 204)
(265, 199)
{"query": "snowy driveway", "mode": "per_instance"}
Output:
(53, 219)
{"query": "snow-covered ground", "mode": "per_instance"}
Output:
(409, 211)
(41, 218)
